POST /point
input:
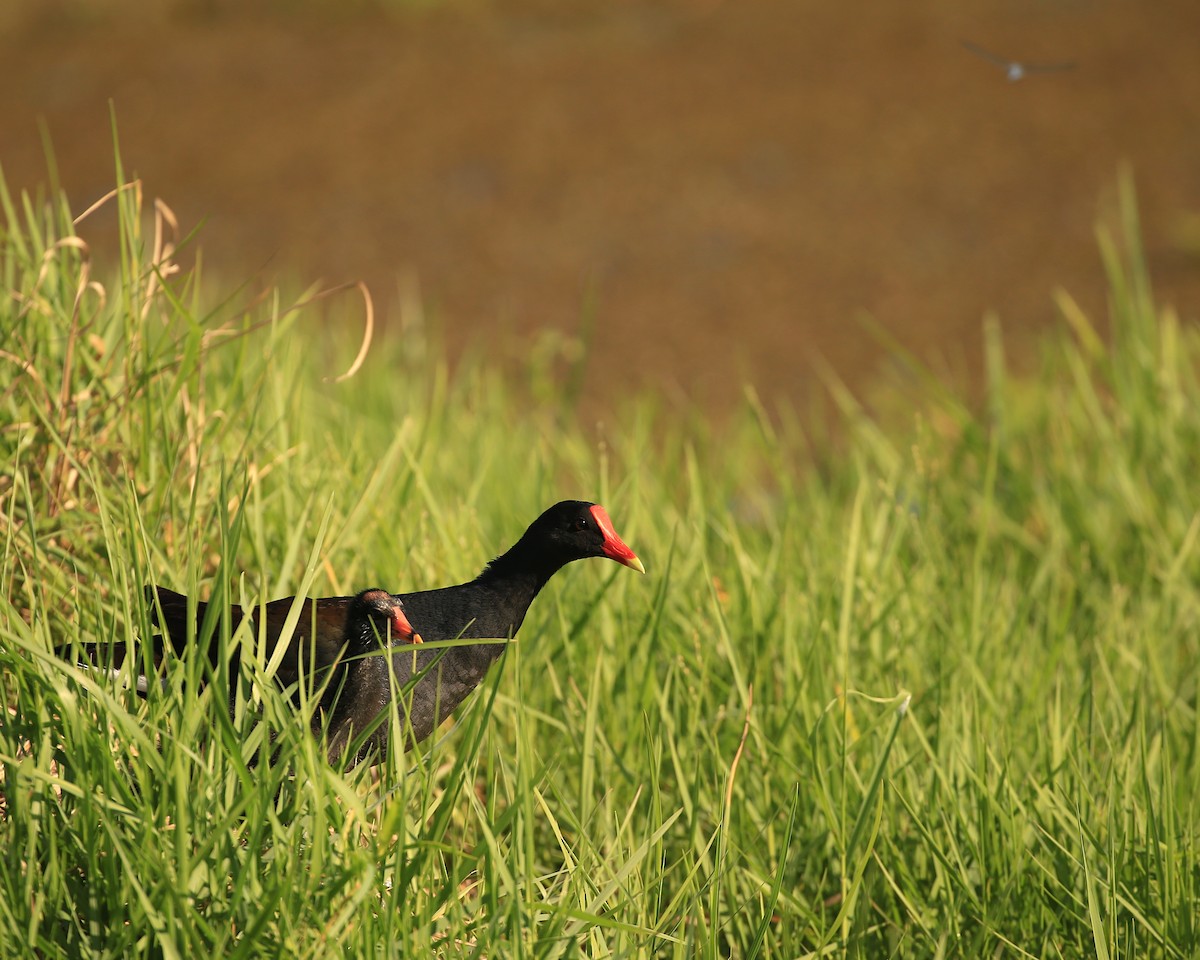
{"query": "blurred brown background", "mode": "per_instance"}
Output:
(730, 185)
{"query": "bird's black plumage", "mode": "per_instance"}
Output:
(355, 695)
(493, 606)
(434, 682)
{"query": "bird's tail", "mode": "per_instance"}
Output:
(114, 659)
(169, 617)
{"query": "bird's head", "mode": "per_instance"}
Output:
(575, 529)
(385, 613)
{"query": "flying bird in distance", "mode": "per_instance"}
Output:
(1016, 70)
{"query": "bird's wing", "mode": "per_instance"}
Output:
(987, 54)
(318, 639)
(1049, 67)
(1010, 64)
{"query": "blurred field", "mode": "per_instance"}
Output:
(704, 191)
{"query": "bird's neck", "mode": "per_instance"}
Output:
(517, 577)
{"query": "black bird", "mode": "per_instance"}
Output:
(354, 700)
(434, 682)
(493, 606)
(338, 634)
(326, 626)
(1016, 70)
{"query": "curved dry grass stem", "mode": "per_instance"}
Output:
(26, 367)
(737, 756)
(73, 243)
(85, 269)
(160, 258)
(135, 185)
(368, 329)
(368, 333)
(28, 300)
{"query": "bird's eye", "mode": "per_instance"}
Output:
(580, 524)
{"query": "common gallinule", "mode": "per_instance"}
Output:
(433, 682)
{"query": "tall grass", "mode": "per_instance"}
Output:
(931, 695)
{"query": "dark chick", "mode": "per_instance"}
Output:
(337, 634)
(342, 638)
(356, 696)
(325, 626)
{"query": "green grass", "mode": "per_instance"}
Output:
(720, 759)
